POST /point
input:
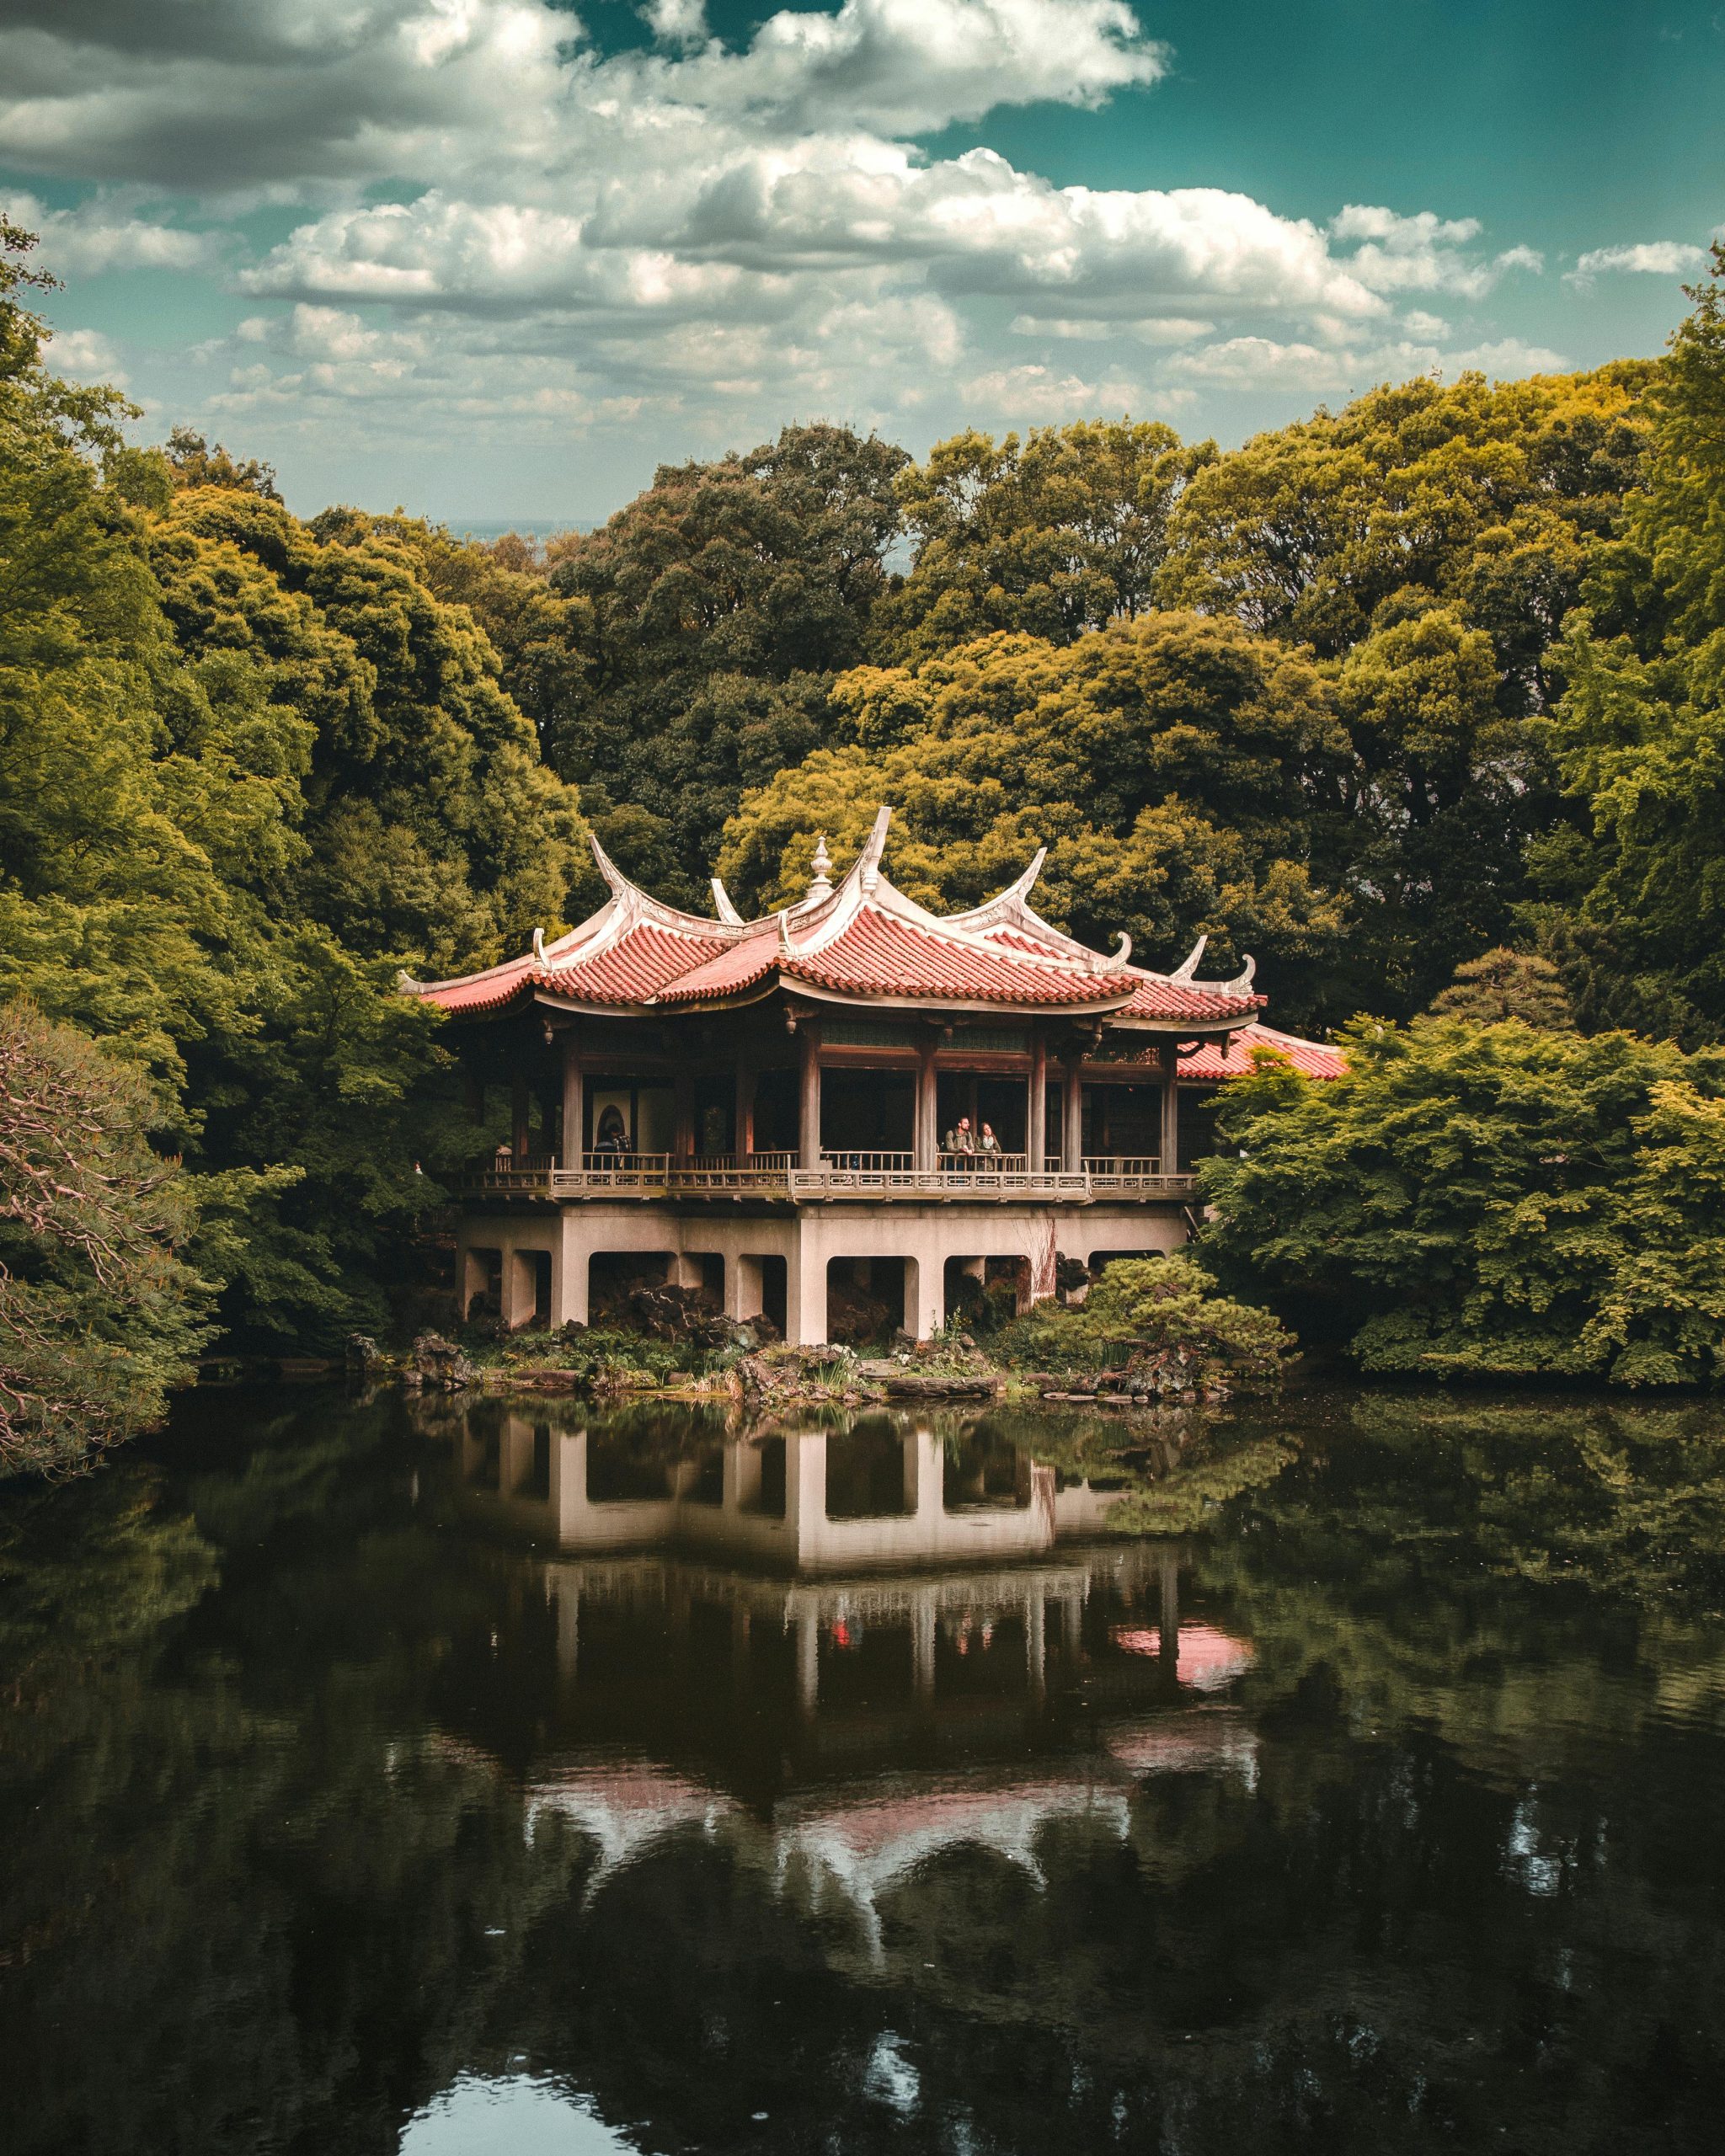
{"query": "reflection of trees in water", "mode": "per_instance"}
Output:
(258, 1897)
(1170, 1468)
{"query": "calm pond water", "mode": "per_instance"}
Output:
(1345, 1775)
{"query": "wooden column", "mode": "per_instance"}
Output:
(574, 1100)
(808, 1124)
(518, 1102)
(683, 1132)
(1071, 1117)
(743, 1114)
(924, 1132)
(1170, 1109)
(1036, 1109)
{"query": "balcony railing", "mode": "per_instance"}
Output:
(843, 1173)
(1125, 1175)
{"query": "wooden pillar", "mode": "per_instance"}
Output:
(1036, 1114)
(682, 1144)
(575, 1100)
(1170, 1109)
(518, 1110)
(743, 1115)
(1071, 1116)
(809, 1126)
(926, 1134)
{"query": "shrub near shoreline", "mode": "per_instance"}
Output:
(1486, 1202)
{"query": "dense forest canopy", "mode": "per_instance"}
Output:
(1431, 682)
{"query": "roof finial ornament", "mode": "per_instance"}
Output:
(722, 905)
(869, 861)
(539, 946)
(821, 883)
(1188, 969)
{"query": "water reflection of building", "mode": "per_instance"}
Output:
(840, 1653)
(881, 1492)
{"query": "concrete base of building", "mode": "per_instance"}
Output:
(541, 1262)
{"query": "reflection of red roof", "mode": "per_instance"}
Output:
(1209, 1659)
(1311, 1059)
(862, 939)
(1203, 1657)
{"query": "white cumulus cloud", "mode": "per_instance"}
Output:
(495, 224)
(1647, 258)
(86, 356)
(101, 236)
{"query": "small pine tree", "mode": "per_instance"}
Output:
(1503, 983)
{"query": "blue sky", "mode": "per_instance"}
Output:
(496, 258)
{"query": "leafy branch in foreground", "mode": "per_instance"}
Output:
(99, 1317)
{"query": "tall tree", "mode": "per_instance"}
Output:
(99, 1314)
(1639, 879)
(1058, 534)
(1484, 498)
(709, 617)
(1187, 777)
(248, 768)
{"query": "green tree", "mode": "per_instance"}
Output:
(1503, 984)
(708, 617)
(1060, 534)
(1639, 737)
(1488, 499)
(1187, 777)
(1153, 1312)
(249, 768)
(98, 1314)
(1471, 1200)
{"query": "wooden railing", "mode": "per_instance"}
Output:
(1124, 1174)
(962, 1176)
(843, 1173)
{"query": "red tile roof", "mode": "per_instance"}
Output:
(1155, 997)
(641, 965)
(1311, 1059)
(879, 953)
(862, 939)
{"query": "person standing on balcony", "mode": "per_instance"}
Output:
(611, 1136)
(989, 1146)
(961, 1143)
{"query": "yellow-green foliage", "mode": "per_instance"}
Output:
(1145, 1309)
(1171, 765)
(1639, 738)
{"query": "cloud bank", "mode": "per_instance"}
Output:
(497, 225)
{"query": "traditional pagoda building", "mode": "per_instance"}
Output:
(763, 1108)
